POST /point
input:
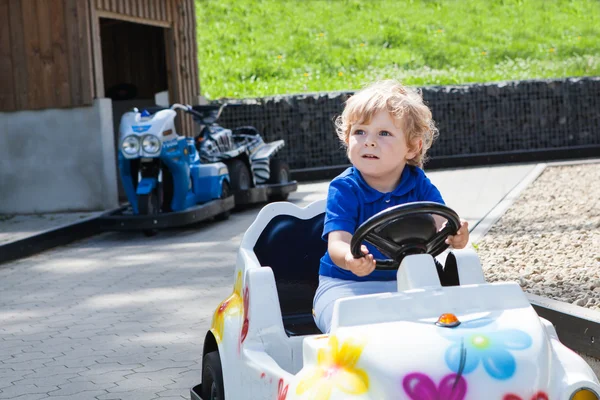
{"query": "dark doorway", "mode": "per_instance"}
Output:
(134, 66)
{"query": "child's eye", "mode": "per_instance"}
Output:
(359, 132)
(385, 133)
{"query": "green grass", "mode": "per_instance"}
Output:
(251, 48)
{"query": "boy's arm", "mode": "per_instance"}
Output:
(431, 193)
(458, 241)
(338, 246)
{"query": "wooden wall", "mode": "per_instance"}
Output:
(45, 56)
(186, 52)
(51, 57)
(155, 10)
(181, 39)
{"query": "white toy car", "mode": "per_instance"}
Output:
(469, 340)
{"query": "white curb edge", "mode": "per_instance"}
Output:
(498, 211)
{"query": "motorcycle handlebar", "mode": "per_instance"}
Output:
(177, 106)
(189, 109)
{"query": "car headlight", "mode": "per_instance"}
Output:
(584, 394)
(130, 145)
(151, 144)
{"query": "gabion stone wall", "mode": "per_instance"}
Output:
(475, 119)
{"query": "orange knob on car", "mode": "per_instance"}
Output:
(448, 321)
(584, 394)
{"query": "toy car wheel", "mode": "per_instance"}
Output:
(225, 193)
(279, 173)
(212, 377)
(240, 175)
(148, 205)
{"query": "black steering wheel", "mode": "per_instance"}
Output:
(405, 229)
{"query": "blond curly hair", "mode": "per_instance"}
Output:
(404, 104)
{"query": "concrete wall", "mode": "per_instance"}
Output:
(58, 160)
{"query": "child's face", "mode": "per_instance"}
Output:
(379, 149)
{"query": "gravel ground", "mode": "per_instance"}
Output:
(549, 239)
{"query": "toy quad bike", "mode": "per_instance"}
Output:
(432, 339)
(165, 182)
(256, 175)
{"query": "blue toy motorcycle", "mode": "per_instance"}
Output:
(165, 182)
(172, 180)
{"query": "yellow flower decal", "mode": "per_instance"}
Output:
(336, 368)
(228, 307)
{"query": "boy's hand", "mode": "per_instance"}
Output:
(460, 240)
(360, 266)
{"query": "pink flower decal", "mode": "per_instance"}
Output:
(246, 304)
(421, 387)
(537, 396)
(281, 390)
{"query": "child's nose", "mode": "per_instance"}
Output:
(369, 143)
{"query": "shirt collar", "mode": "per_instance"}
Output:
(408, 181)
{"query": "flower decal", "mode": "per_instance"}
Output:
(491, 348)
(421, 387)
(228, 307)
(537, 396)
(282, 390)
(246, 322)
(336, 368)
(476, 323)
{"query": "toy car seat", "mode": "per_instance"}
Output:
(293, 247)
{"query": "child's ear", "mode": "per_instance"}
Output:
(414, 149)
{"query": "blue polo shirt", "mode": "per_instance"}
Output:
(351, 201)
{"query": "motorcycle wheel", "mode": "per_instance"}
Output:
(148, 205)
(279, 173)
(239, 175)
(225, 193)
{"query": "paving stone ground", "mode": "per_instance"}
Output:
(119, 315)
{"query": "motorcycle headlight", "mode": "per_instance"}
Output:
(130, 145)
(584, 394)
(151, 144)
